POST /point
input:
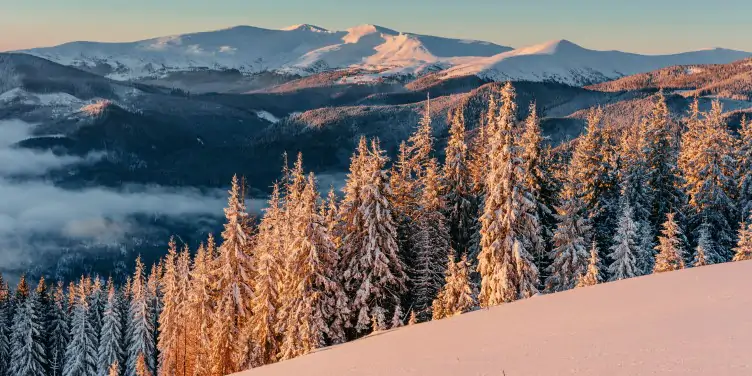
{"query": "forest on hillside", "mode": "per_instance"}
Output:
(503, 217)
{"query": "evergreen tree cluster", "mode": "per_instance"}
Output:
(505, 217)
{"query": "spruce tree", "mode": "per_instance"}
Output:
(58, 330)
(81, 353)
(5, 328)
(593, 275)
(670, 248)
(592, 166)
(154, 310)
(373, 272)
(706, 252)
(624, 250)
(97, 300)
(708, 166)
(634, 180)
(312, 290)
(200, 310)
(141, 327)
(744, 168)
(110, 349)
(173, 329)
(572, 234)
(743, 249)
(233, 280)
(456, 296)
(461, 211)
(700, 259)
(510, 227)
(268, 275)
(431, 244)
(540, 186)
(28, 353)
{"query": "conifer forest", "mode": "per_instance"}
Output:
(500, 214)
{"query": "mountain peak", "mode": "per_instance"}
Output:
(552, 47)
(355, 33)
(306, 27)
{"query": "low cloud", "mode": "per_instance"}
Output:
(32, 210)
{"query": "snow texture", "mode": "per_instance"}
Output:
(640, 326)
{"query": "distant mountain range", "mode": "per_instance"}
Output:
(374, 52)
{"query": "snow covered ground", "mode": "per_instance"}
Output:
(691, 322)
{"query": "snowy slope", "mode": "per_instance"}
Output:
(298, 49)
(565, 62)
(691, 322)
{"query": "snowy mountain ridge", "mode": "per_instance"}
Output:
(379, 51)
(300, 49)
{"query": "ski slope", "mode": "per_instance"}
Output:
(690, 322)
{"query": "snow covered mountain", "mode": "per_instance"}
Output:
(375, 52)
(662, 324)
(565, 62)
(299, 49)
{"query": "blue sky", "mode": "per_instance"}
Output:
(657, 26)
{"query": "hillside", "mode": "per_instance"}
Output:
(690, 322)
(733, 80)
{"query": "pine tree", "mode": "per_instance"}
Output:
(670, 249)
(743, 249)
(233, 280)
(500, 231)
(540, 188)
(373, 272)
(413, 319)
(154, 310)
(28, 357)
(635, 174)
(397, 320)
(625, 249)
(97, 300)
(744, 168)
(461, 212)
(660, 150)
(707, 164)
(5, 328)
(58, 330)
(456, 296)
(700, 259)
(312, 290)
(573, 232)
(110, 351)
(431, 244)
(592, 167)
(265, 303)
(141, 327)
(81, 353)
(200, 310)
(173, 329)
(593, 275)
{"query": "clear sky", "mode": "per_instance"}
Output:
(645, 26)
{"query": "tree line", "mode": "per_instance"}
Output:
(505, 217)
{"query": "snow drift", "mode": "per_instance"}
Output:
(690, 322)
